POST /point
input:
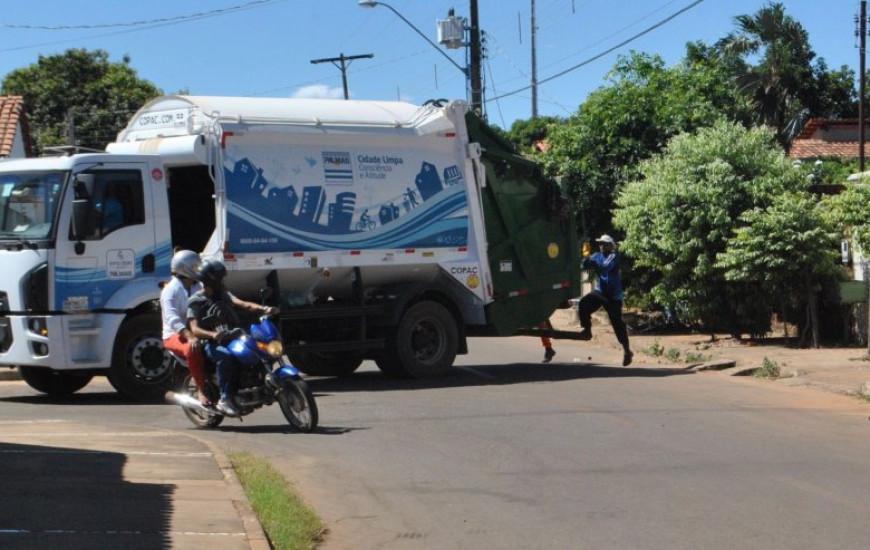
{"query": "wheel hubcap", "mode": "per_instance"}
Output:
(149, 360)
(427, 341)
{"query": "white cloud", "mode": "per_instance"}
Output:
(319, 91)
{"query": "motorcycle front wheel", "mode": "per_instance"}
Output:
(199, 418)
(297, 404)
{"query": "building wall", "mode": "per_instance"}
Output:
(18, 151)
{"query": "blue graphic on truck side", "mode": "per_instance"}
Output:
(90, 288)
(426, 212)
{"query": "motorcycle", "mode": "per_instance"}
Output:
(265, 375)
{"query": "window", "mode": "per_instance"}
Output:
(117, 199)
(28, 203)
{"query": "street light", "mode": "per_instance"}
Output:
(373, 3)
(476, 102)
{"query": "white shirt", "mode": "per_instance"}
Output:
(173, 306)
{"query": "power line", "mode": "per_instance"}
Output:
(135, 29)
(510, 60)
(611, 35)
(602, 54)
(198, 15)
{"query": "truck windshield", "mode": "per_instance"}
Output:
(28, 204)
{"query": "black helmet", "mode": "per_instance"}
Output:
(211, 273)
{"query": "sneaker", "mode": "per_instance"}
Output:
(227, 408)
(626, 359)
(548, 354)
(585, 334)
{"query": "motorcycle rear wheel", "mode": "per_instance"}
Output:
(298, 405)
(199, 419)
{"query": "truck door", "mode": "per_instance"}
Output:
(116, 247)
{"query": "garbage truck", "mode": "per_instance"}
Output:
(383, 230)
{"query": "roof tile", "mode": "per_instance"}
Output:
(11, 115)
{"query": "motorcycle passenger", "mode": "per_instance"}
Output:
(212, 316)
(177, 337)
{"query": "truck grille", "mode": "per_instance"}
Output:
(5, 327)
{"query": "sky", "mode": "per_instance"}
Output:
(264, 48)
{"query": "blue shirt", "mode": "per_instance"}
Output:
(609, 281)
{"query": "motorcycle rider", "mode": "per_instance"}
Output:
(177, 337)
(212, 316)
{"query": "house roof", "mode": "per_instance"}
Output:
(812, 148)
(825, 137)
(11, 115)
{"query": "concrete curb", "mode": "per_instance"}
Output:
(9, 374)
(253, 528)
(719, 364)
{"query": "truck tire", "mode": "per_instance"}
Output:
(424, 344)
(324, 363)
(140, 368)
(52, 382)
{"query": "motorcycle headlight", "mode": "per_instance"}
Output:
(274, 348)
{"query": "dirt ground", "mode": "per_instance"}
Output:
(842, 370)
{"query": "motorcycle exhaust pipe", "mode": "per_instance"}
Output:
(188, 401)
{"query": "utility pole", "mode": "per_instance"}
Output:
(861, 31)
(534, 66)
(340, 63)
(475, 61)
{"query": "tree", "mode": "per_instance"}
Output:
(850, 213)
(82, 87)
(785, 87)
(598, 150)
(524, 134)
(788, 250)
(685, 205)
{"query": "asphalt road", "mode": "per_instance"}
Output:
(581, 453)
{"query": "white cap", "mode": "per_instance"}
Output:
(606, 239)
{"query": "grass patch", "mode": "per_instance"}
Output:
(673, 354)
(696, 357)
(656, 349)
(289, 523)
(768, 369)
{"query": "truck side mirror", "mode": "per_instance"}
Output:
(82, 218)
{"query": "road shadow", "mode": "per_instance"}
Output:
(56, 497)
(85, 398)
(281, 429)
(487, 375)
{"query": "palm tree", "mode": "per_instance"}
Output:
(781, 85)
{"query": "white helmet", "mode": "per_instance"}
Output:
(185, 263)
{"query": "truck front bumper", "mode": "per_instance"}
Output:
(31, 342)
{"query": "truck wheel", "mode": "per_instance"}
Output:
(52, 382)
(425, 343)
(324, 363)
(141, 369)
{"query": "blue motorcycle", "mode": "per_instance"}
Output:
(264, 376)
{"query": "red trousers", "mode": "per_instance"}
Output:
(545, 340)
(195, 359)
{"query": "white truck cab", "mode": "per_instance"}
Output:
(84, 240)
